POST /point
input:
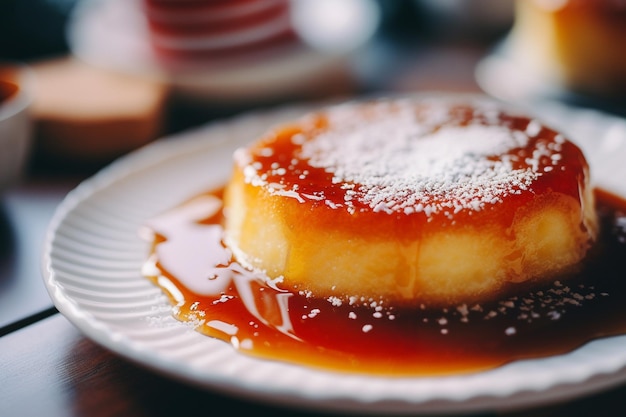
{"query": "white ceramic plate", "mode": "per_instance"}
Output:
(92, 269)
(113, 34)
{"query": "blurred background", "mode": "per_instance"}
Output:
(83, 82)
(113, 75)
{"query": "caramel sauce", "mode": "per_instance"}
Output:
(226, 301)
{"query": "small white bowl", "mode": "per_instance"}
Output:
(16, 125)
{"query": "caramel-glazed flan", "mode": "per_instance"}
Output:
(576, 45)
(412, 201)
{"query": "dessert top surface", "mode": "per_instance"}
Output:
(404, 156)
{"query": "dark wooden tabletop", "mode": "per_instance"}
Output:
(48, 368)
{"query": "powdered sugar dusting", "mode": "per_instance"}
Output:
(400, 165)
(393, 158)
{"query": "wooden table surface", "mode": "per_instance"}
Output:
(48, 368)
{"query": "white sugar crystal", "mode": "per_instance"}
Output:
(463, 310)
(533, 128)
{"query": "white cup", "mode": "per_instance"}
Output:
(16, 125)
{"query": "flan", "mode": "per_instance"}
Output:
(574, 45)
(410, 201)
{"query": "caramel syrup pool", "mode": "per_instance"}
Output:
(223, 300)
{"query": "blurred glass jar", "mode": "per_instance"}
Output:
(205, 33)
(196, 30)
(229, 55)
